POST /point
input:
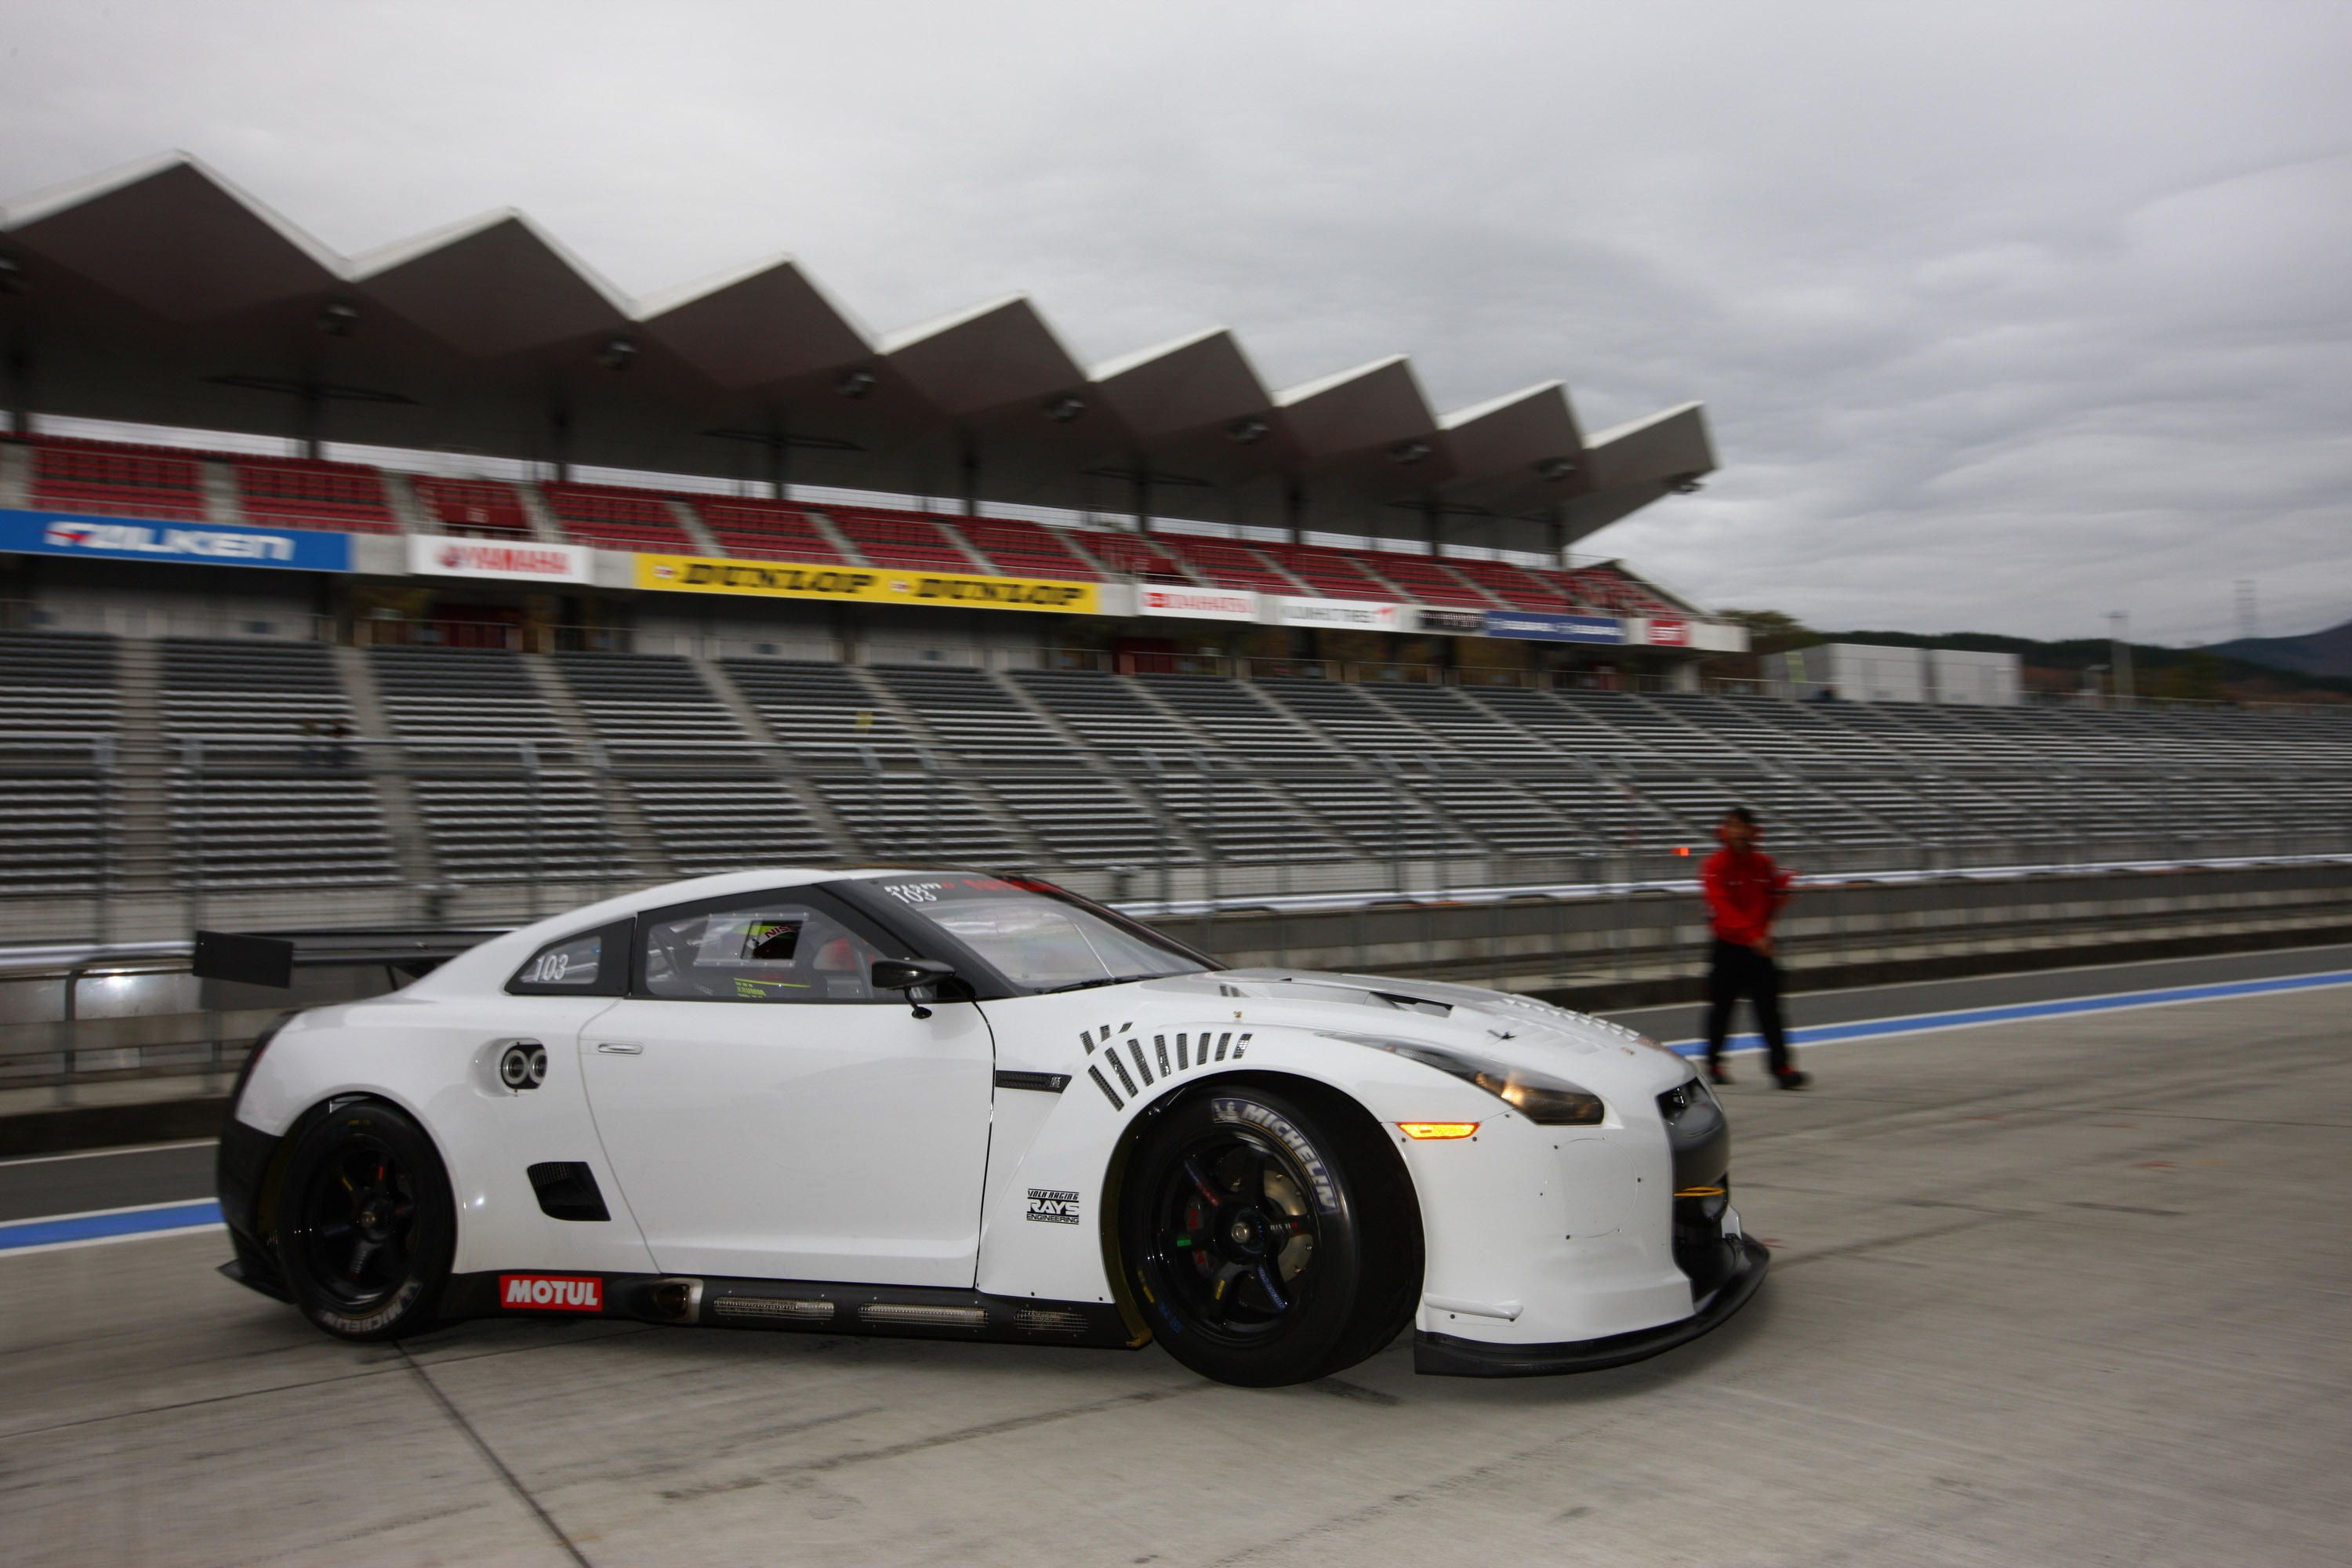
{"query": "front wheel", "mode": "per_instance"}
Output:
(1271, 1236)
(366, 1230)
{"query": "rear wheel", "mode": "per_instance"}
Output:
(1272, 1236)
(366, 1230)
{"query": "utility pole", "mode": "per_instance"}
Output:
(2249, 624)
(2119, 654)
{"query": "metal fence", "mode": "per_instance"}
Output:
(84, 1024)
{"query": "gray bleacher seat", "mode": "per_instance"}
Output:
(273, 808)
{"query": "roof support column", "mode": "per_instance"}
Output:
(971, 465)
(1432, 518)
(1294, 509)
(1142, 481)
(779, 448)
(1556, 534)
(562, 424)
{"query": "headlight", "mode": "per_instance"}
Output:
(1542, 1099)
(1549, 1104)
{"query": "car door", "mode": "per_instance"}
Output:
(769, 1115)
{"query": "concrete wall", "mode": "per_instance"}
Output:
(858, 634)
(1865, 672)
(129, 599)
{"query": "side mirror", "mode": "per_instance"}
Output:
(903, 974)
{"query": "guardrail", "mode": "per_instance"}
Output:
(79, 1023)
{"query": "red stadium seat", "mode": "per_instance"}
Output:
(907, 539)
(618, 519)
(1334, 574)
(1024, 549)
(1517, 586)
(1228, 564)
(476, 508)
(1133, 556)
(118, 479)
(1427, 580)
(285, 492)
(767, 529)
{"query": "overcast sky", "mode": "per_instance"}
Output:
(2006, 314)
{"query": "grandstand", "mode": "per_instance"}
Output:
(522, 607)
(518, 769)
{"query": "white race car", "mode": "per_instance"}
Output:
(953, 1104)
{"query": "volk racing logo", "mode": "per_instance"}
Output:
(551, 1292)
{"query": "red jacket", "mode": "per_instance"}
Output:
(1743, 893)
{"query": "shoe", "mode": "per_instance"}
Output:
(1718, 1075)
(1792, 1078)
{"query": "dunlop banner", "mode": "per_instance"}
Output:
(792, 580)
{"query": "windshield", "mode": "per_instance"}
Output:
(1036, 936)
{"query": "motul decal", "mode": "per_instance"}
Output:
(551, 1292)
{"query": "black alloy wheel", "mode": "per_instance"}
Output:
(366, 1230)
(1271, 1236)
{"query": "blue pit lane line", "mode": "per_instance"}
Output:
(1923, 1023)
(163, 1217)
(112, 1222)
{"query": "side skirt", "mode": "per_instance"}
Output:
(1445, 1355)
(793, 1306)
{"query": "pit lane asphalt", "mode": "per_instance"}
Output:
(2069, 1289)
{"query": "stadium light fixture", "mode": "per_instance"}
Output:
(1409, 452)
(338, 319)
(1248, 430)
(1555, 469)
(854, 382)
(1685, 484)
(12, 276)
(617, 353)
(1064, 408)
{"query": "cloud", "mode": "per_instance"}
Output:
(2006, 315)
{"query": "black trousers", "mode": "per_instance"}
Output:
(1742, 971)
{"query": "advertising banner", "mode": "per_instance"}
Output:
(864, 584)
(198, 543)
(513, 561)
(1195, 604)
(1666, 631)
(1459, 622)
(1539, 626)
(1354, 615)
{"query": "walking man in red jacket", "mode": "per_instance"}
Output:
(1744, 892)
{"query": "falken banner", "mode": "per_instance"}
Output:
(863, 585)
(1542, 627)
(199, 543)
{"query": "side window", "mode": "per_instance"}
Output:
(591, 964)
(766, 952)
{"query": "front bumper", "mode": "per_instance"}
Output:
(1445, 1355)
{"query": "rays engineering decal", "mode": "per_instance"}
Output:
(1053, 1205)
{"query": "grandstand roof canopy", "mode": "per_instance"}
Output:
(161, 294)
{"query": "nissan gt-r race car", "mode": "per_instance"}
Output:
(958, 1105)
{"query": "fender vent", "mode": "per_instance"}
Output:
(772, 1307)
(567, 1190)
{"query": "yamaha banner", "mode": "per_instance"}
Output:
(198, 543)
(1542, 627)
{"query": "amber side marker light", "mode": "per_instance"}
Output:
(1437, 1128)
(1699, 1191)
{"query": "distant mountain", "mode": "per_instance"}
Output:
(2321, 653)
